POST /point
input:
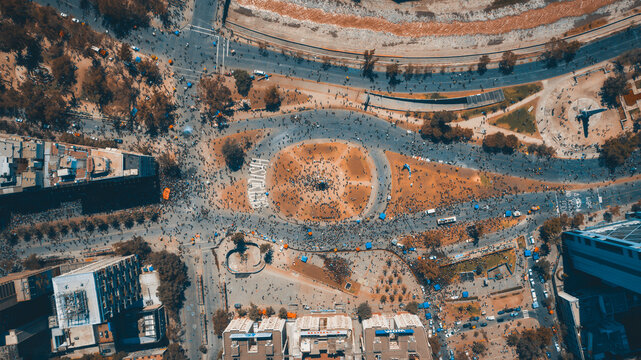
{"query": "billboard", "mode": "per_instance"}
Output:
(395, 331)
(317, 333)
(257, 336)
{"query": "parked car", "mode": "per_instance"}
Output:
(118, 141)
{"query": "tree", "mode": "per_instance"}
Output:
(479, 348)
(338, 268)
(269, 311)
(498, 142)
(383, 299)
(272, 98)
(33, 262)
(233, 153)
(426, 268)
(431, 240)
(476, 231)
(636, 206)
(615, 151)
(364, 311)
(64, 71)
(482, 66)
(168, 165)
(507, 63)
(172, 272)
(156, 113)
(137, 245)
(239, 241)
(174, 352)
(12, 37)
(124, 52)
(412, 307)
(437, 128)
(243, 82)
(612, 88)
(150, 71)
(558, 49)
(551, 230)
(368, 64)
(214, 94)
(254, 312)
(435, 344)
(94, 86)
(391, 72)
(264, 248)
(32, 57)
(221, 320)
(542, 267)
(577, 220)
(269, 256)
(282, 313)
(530, 344)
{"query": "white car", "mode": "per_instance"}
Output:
(63, 15)
(545, 294)
(75, 20)
(135, 48)
(557, 347)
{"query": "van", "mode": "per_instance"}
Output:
(259, 73)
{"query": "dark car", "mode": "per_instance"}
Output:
(467, 325)
(501, 312)
(483, 324)
(500, 320)
(474, 318)
(118, 141)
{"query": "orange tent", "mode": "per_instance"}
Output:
(291, 315)
(165, 193)
(285, 246)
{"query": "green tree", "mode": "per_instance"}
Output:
(136, 245)
(94, 86)
(282, 313)
(479, 348)
(243, 82)
(269, 311)
(391, 72)
(124, 52)
(338, 268)
(233, 153)
(174, 352)
(612, 88)
(64, 71)
(221, 319)
(33, 262)
(507, 63)
(173, 279)
(369, 61)
(156, 113)
(412, 307)
(254, 312)
(364, 311)
(239, 241)
(272, 98)
(214, 94)
(482, 65)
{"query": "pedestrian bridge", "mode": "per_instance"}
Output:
(450, 104)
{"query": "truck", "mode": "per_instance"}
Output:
(490, 318)
(431, 211)
(516, 214)
(447, 220)
(259, 73)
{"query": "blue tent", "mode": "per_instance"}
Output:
(138, 59)
(215, 234)
(213, 43)
(188, 84)
(151, 268)
(465, 294)
(535, 256)
(177, 32)
(412, 249)
(405, 166)
(508, 213)
(368, 245)
(424, 305)
(437, 287)
(382, 216)
(303, 259)
(358, 221)
(527, 253)
(476, 206)
(134, 111)
(428, 316)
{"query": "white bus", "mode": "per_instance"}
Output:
(447, 220)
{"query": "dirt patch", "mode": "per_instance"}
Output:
(526, 20)
(319, 274)
(247, 139)
(461, 310)
(320, 181)
(509, 300)
(234, 197)
(434, 185)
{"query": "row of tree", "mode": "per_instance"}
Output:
(437, 128)
(499, 142)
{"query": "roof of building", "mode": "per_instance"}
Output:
(22, 274)
(240, 324)
(98, 265)
(272, 323)
(624, 233)
(392, 321)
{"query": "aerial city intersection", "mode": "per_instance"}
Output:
(292, 179)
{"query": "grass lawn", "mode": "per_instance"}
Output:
(519, 120)
(487, 262)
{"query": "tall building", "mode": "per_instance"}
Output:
(95, 293)
(610, 252)
(244, 339)
(395, 336)
(26, 285)
(28, 164)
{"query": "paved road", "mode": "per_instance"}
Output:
(201, 53)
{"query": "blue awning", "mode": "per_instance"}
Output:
(368, 245)
(303, 259)
(466, 294)
(382, 216)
